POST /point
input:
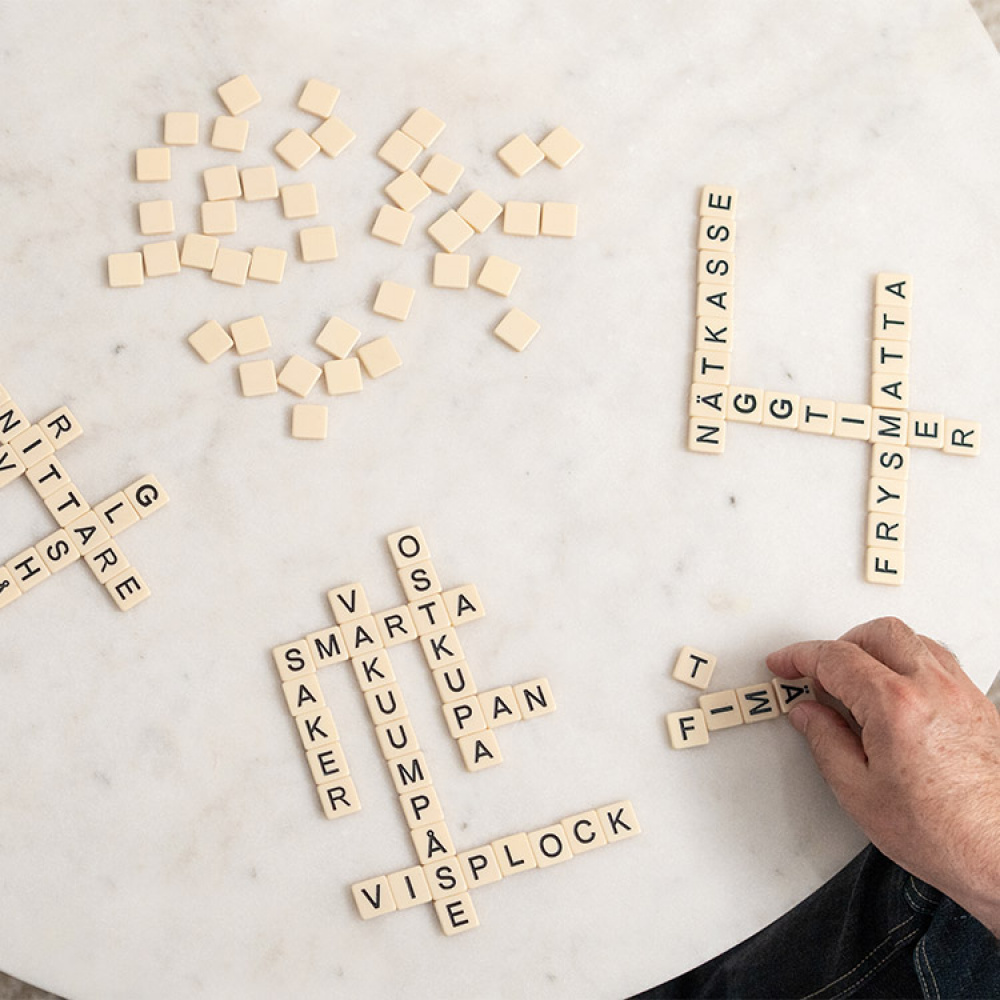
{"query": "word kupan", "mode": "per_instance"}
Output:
(887, 423)
(86, 533)
(726, 709)
(430, 617)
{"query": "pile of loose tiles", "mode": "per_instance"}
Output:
(225, 185)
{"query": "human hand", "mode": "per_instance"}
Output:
(923, 778)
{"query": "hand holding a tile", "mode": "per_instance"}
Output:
(923, 777)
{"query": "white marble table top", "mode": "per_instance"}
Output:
(159, 835)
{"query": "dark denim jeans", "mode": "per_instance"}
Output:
(872, 931)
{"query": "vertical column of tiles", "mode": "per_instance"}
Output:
(314, 720)
(890, 429)
(708, 407)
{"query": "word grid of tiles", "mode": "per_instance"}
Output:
(887, 423)
(89, 533)
(430, 617)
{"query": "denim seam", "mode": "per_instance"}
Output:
(871, 972)
(851, 972)
(920, 961)
(915, 886)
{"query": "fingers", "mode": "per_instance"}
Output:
(893, 643)
(843, 669)
(839, 755)
(943, 655)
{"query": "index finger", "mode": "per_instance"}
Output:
(844, 669)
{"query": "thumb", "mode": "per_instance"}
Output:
(838, 752)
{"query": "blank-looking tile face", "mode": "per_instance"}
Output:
(318, 98)
(559, 219)
(309, 422)
(480, 211)
(222, 183)
(451, 270)
(392, 225)
(267, 264)
(156, 218)
(299, 376)
(299, 201)
(498, 275)
(560, 146)
(239, 95)
(257, 378)
(318, 243)
(522, 218)
(250, 335)
(520, 155)
(342, 376)
(399, 151)
(337, 337)
(218, 218)
(407, 190)
(230, 133)
(161, 259)
(125, 270)
(333, 136)
(450, 231)
(259, 183)
(379, 357)
(153, 164)
(297, 148)
(424, 126)
(441, 173)
(199, 250)
(517, 329)
(393, 300)
(180, 128)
